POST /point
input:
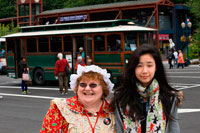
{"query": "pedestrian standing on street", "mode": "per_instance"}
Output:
(1, 64)
(170, 57)
(187, 62)
(23, 67)
(145, 102)
(60, 73)
(82, 53)
(2, 53)
(175, 58)
(180, 59)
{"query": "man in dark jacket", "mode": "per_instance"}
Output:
(23, 68)
(170, 57)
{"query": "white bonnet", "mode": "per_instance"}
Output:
(93, 68)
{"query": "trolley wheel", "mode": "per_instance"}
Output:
(3, 70)
(38, 77)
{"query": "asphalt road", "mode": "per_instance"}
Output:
(25, 113)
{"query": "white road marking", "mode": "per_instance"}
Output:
(184, 76)
(45, 97)
(182, 84)
(183, 72)
(30, 96)
(33, 88)
(188, 110)
(187, 87)
(179, 86)
(10, 82)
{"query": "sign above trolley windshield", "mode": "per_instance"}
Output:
(70, 18)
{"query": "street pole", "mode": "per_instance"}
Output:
(186, 26)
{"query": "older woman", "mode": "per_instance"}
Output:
(88, 111)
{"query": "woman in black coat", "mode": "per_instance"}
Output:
(23, 68)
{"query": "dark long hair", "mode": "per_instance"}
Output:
(126, 94)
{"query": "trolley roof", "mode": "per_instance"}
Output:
(120, 28)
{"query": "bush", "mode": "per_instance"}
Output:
(194, 51)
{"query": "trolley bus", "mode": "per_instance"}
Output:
(107, 43)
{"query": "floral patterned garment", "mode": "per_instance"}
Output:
(155, 120)
(69, 116)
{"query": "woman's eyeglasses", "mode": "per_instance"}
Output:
(92, 85)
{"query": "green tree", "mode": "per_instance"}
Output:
(77, 3)
(53, 4)
(194, 9)
(179, 1)
(8, 29)
(8, 8)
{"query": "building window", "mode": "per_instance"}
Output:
(146, 38)
(35, 9)
(24, 10)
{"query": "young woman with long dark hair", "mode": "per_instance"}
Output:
(145, 102)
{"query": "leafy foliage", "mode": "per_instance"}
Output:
(179, 1)
(8, 29)
(53, 4)
(77, 3)
(193, 51)
(194, 9)
(8, 8)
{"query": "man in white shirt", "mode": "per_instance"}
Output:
(175, 58)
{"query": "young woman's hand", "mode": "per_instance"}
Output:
(180, 97)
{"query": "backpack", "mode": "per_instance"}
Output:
(67, 70)
(173, 57)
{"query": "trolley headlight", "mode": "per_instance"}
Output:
(126, 61)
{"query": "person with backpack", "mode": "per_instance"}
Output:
(170, 57)
(175, 58)
(60, 73)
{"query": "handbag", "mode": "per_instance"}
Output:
(67, 70)
(25, 77)
(29, 82)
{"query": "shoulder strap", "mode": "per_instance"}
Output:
(119, 119)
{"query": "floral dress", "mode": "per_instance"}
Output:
(69, 116)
